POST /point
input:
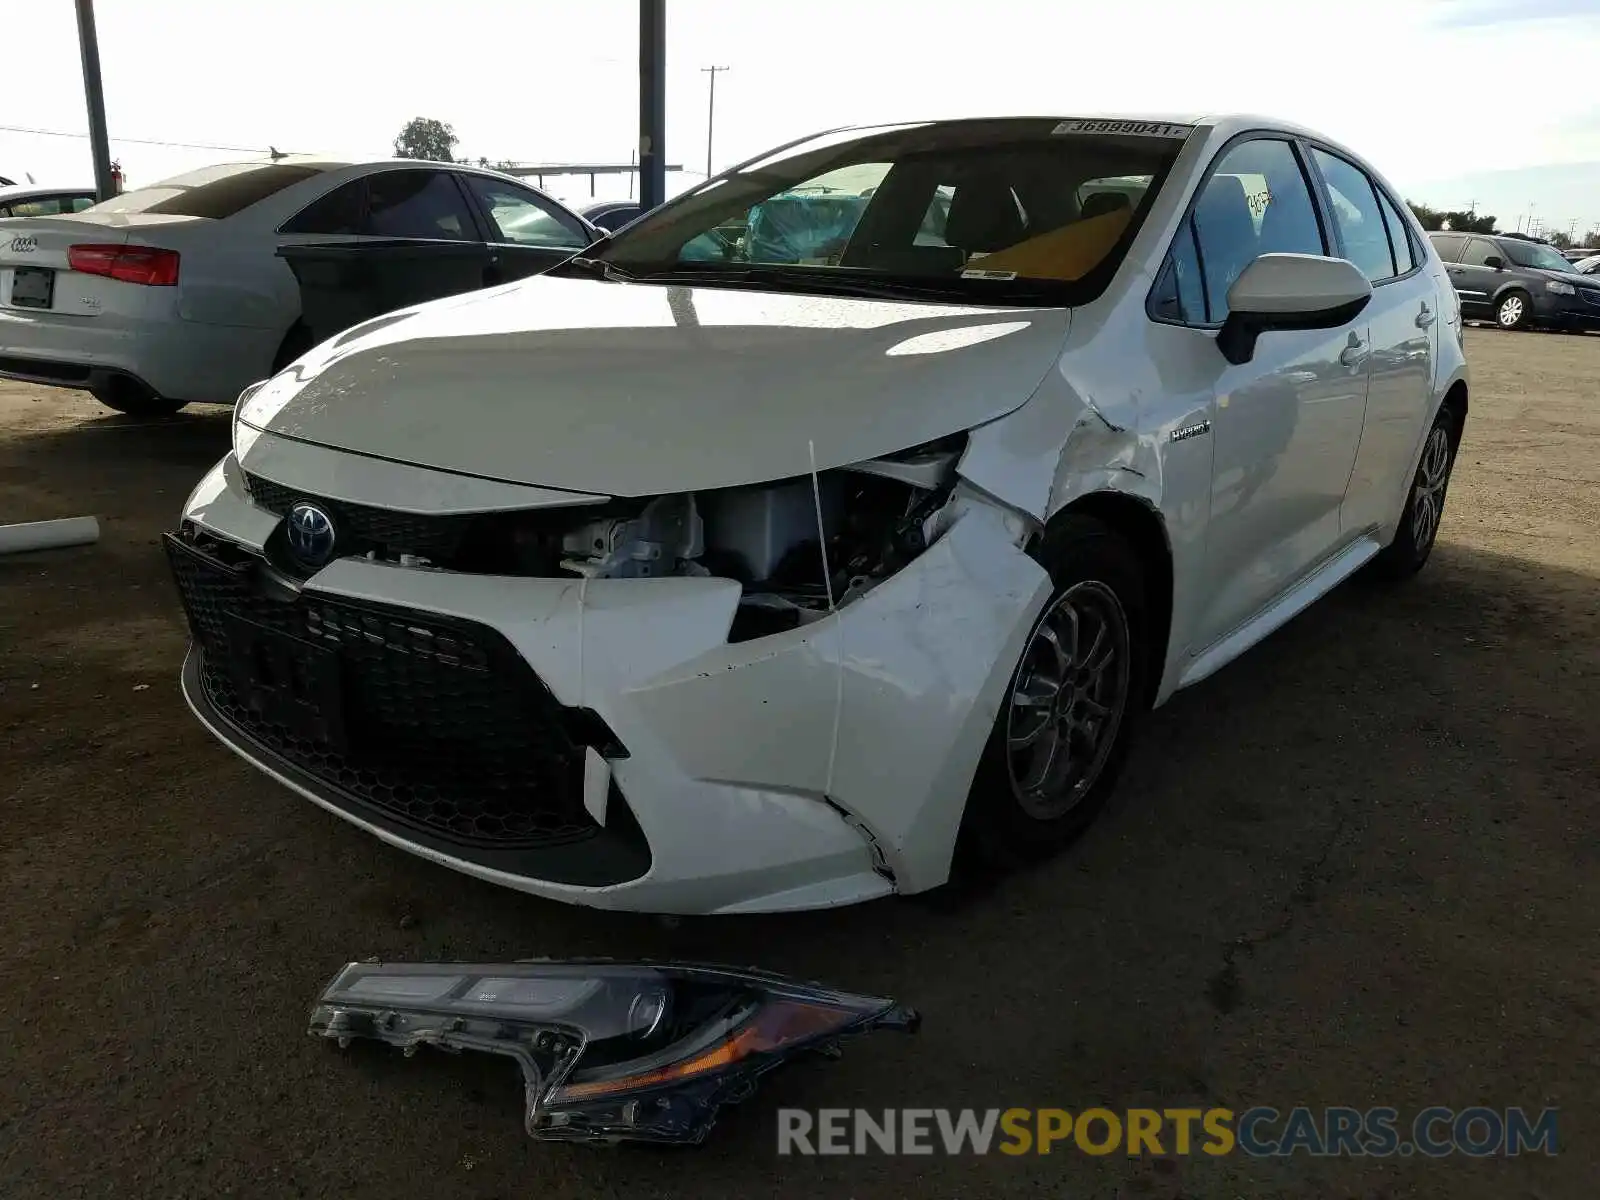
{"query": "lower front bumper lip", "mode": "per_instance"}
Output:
(585, 867)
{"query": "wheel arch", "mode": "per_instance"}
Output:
(1136, 520)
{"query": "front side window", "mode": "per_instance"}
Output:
(524, 218)
(216, 192)
(417, 204)
(1256, 202)
(1006, 211)
(1180, 293)
(1356, 216)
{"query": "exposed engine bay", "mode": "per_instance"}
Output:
(798, 546)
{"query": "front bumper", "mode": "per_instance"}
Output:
(1567, 312)
(826, 765)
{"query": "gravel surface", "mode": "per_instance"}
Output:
(1360, 866)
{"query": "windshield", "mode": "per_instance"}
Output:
(1532, 254)
(1018, 211)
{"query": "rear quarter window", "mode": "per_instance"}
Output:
(216, 192)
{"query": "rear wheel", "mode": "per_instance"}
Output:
(1419, 521)
(1061, 735)
(1515, 310)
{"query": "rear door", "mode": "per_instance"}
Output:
(1402, 320)
(528, 232)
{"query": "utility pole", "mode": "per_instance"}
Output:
(99, 143)
(652, 103)
(711, 112)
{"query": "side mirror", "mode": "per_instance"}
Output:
(1289, 291)
(1495, 263)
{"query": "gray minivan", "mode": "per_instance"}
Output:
(1518, 284)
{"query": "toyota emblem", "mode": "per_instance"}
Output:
(310, 534)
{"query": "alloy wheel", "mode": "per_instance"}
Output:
(1511, 310)
(1068, 699)
(1427, 500)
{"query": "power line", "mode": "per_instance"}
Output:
(133, 140)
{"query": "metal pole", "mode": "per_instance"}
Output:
(99, 143)
(652, 102)
(711, 113)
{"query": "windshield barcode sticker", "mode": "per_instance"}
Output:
(975, 273)
(1160, 129)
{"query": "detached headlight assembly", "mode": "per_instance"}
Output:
(608, 1051)
(1559, 288)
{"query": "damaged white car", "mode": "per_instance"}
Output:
(838, 517)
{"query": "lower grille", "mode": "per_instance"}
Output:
(438, 724)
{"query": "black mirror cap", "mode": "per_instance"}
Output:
(1237, 337)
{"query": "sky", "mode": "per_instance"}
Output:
(1410, 84)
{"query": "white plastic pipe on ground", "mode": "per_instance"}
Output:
(48, 535)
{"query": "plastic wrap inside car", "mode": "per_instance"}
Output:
(801, 228)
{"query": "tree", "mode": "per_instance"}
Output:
(426, 138)
(1468, 222)
(1560, 241)
(1429, 218)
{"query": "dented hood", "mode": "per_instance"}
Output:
(636, 389)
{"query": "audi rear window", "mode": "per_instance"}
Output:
(214, 192)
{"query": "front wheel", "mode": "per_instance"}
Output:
(1061, 735)
(1515, 311)
(1419, 521)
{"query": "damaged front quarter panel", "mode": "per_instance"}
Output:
(608, 1051)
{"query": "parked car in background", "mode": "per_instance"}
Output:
(1587, 266)
(1517, 283)
(175, 293)
(610, 215)
(34, 201)
(693, 584)
(1578, 253)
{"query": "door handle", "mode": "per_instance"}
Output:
(1425, 317)
(1355, 353)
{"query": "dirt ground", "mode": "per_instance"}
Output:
(1361, 866)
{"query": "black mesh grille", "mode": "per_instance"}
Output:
(362, 528)
(439, 724)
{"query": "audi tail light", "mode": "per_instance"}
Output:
(148, 265)
(608, 1051)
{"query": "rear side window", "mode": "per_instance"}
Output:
(1479, 252)
(214, 192)
(417, 204)
(1399, 236)
(1448, 246)
(340, 211)
(1356, 216)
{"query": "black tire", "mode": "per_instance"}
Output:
(125, 396)
(1514, 310)
(1097, 572)
(295, 343)
(1424, 508)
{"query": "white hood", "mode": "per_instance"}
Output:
(637, 389)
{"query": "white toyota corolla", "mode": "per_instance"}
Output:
(833, 523)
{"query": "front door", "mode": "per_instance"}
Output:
(528, 233)
(1285, 426)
